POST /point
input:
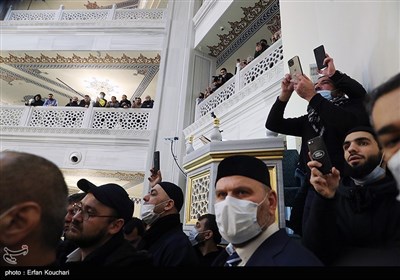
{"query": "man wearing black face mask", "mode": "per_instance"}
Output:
(205, 238)
(356, 221)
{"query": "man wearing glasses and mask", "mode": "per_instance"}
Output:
(97, 225)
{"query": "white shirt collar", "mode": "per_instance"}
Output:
(75, 256)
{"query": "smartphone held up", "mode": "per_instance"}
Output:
(318, 152)
(320, 55)
(156, 161)
(295, 67)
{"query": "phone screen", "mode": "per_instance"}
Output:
(295, 66)
(319, 53)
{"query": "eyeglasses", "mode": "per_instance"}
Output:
(78, 208)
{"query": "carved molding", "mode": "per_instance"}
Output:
(145, 134)
(262, 13)
(76, 59)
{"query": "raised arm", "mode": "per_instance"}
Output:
(155, 177)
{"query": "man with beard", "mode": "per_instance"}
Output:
(66, 246)
(205, 238)
(96, 228)
(355, 221)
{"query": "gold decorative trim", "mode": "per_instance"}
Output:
(91, 5)
(75, 59)
(219, 156)
(237, 27)
(188, 200)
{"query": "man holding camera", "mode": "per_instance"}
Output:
(355, 221)
(328, 115)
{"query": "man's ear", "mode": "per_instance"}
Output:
(20, 222)
(208, 234)
(273, 201)
(116, 226)
(170, 204)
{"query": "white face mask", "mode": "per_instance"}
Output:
(394, 166)
(327, 94)
(148, 214)
(237, 219)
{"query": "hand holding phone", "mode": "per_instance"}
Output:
(320, 55)
(295, 67)
(156, 161)
(318, 152)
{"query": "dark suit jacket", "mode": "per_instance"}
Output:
(278, 250)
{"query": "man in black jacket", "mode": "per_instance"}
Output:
(97, 228)
(356, 221)
(335, 106)
(165, 238)
(32, 208)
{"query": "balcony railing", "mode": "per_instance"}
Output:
(117, 119)
(112, 14)
(258, 67)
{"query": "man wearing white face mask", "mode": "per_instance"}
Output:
(165, 238)
(384, 108)
(245, 212)
(355, 221)
(330, 119)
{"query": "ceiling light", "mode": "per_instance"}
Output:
(97, 85)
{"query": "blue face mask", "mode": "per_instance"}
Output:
(194, 237)
(325, 94)
(372, 177)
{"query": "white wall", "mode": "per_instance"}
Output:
(363, 38)
(175, 103)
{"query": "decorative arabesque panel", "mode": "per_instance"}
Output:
(57, 118)
(112, 14)
(32, 15)
(11, 116)
(86, 15)
(222, 94)
(256, 69)
(121, 119)
(139, 14)
(200, 189)
(252, 73)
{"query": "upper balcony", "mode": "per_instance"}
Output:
(106, 18)
(108, 142)
(118, 139)
(243, 102)
(142, 18)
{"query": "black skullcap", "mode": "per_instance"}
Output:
(246, 166)
(365, 128)
(174, 192)
(111, 195)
